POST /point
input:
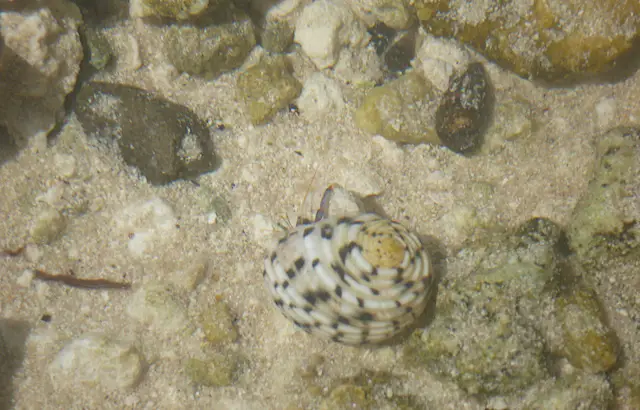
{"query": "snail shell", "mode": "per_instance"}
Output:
(357, 280)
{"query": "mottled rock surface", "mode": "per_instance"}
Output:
(551, 40)
(164, 140)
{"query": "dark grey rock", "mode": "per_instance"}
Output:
(463, 114)
(164, 140)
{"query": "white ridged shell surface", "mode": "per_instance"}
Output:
(357, 280)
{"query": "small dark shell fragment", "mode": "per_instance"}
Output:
(464, 111)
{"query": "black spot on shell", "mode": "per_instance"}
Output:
(339, 270)
(408, 309)
(285, 284)
(334, 325)
(264, 273)
(279, 302)
(343, 320)
(326, 231)
(338, 291)
(398, 304)
(345, 250)
(375, 292)
(365, 277)
(315, 262)
(365, 317)
(283, 240)
(299, 263)
(308, 231)
(273, 256)
(310, 297)
(323, 295)
(337, 337)
(360, 302)
(374, 272)
(464, 111)
(291, 273)
(409, 284)
(308, 309)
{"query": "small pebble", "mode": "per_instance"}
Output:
(464, 111)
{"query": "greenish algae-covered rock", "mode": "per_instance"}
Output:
(589, 343)
(218, 369)
(212, 46)
(277, 35)
(574, 391)
(486, 336)
(606, 220)
(402, 111)
(347, 397)
(480, 340)
(217, 324)
(267, 87)
(547, 39)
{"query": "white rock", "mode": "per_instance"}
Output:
(159, 305)
(150, 223)
(325, 27)
(96, 360)
(320, 96)
(439, 58)
(359, 66)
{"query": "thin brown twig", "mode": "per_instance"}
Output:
(76, 282)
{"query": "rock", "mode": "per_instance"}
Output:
(359, 66)
(552, 40)
(164, 140)
(267, 87)
(512, 120)
(217, 324)
(346, 397)
(216, 370)
(577, 391)
(397, 48)
(160, 306)
(464, 112)
(320, 96)
(277, 36)
(48, 226)
(589, 343)
(486, 336)
(400, 111)
(176, 9)
(480, 340)
(40, 62)
(97, 360)
(100, 52)
(215, 45)
(325, 27)
(439, 58)
(393, 13)
(149, 225)
(606, 221)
